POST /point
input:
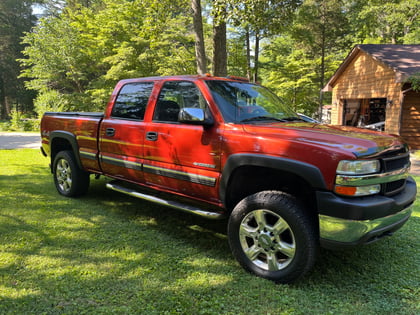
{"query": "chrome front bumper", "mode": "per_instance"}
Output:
(339, 233)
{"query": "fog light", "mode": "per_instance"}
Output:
(357, 191)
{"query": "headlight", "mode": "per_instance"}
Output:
(353, 178)
(360, 167)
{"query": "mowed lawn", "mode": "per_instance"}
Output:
(107, 253)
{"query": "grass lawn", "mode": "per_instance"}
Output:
(107, 253)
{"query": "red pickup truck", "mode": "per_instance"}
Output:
(226, 148)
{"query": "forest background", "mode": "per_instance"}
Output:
(67, 55)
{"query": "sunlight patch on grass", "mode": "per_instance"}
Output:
(13, 291)
(198, 279)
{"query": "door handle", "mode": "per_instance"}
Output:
(152, 136)
(110, 132)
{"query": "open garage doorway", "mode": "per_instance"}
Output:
(367, 113)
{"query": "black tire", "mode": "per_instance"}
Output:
(271, 236)
(69, 179)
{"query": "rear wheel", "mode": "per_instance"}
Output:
(271, 236)
(69, 179)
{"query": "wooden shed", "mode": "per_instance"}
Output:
(370, 88)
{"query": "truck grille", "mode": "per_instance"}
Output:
(393, 188)
(397, 162)
(391, 164)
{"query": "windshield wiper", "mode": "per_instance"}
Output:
(261, 118)
(292, 118)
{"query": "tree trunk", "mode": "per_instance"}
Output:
(248, 54)
(3, 110)
(219, 45)
(200, 52)
(257, 56)
(321, 94)
(322, 72)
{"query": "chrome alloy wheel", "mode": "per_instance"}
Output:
(267, 240)
(63, 175)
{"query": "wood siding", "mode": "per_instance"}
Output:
(366, 78)
(410, 127)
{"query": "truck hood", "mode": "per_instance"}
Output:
(360, 142)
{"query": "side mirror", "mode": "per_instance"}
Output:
(194, 116)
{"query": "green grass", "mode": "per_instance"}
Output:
(107, 253)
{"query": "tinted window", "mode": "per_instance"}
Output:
(132, 100)
(174, 96)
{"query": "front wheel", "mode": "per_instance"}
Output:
(69, 179)
(271, 236)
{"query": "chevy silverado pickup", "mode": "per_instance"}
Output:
(227, 148)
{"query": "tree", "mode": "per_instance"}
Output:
(385, 21)
(75, 58)
(320, 28)
(56, 7)
(288, 71)
(219, 38)
(57, 62)
(237, 53)
(261, 19)
(414, 81)
(15, 19)
(200, 51)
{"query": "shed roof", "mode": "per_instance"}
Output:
(403, 59)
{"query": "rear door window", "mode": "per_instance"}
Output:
(132, 100)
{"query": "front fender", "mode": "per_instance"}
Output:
(311, 174)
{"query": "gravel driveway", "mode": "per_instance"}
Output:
(20, 140)
(415, 166)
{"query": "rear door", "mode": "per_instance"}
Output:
(122, 134)
(181, 157)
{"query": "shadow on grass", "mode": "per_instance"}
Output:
(63, 253)
(110, 253)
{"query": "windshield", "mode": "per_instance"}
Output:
(242, 102)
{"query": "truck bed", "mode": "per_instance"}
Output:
(78, 114)
(81, 129)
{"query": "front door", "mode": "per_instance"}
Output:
(180, 157)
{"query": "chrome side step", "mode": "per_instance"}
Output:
(169, 203)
